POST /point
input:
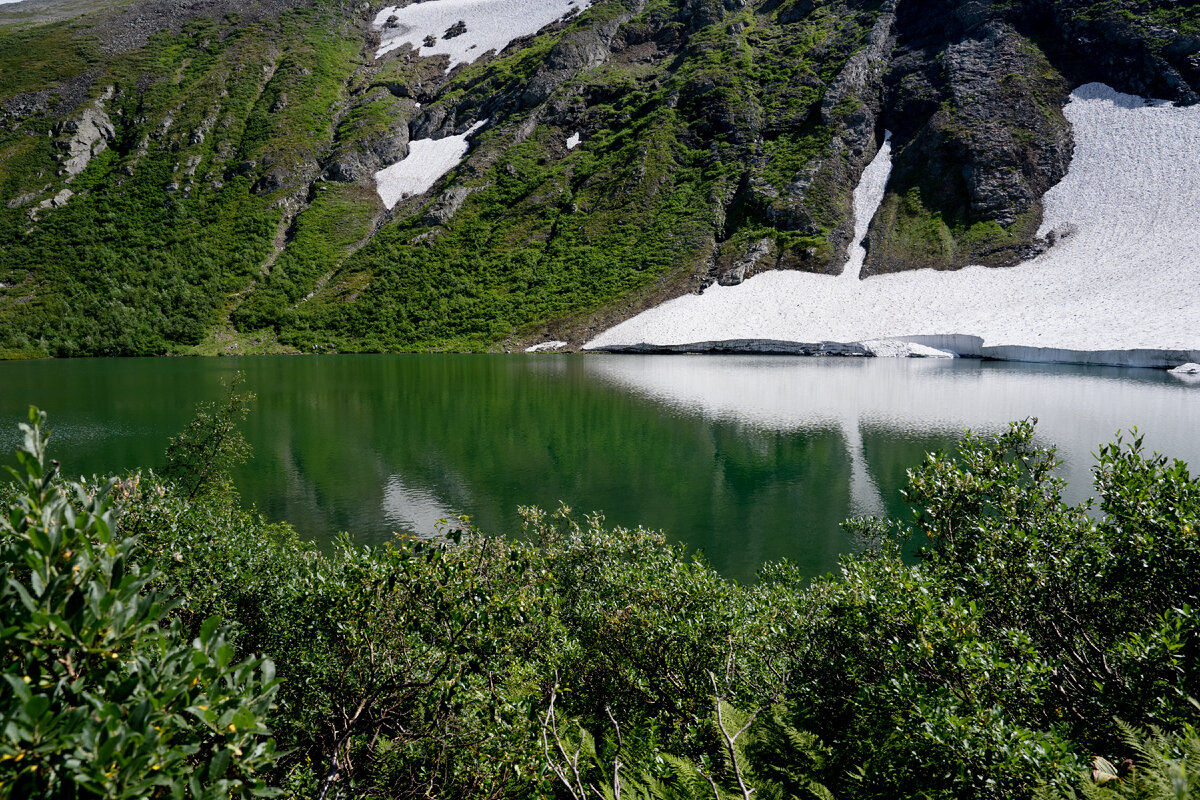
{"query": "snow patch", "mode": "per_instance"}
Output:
(489, 25)
(1188, 373)
(898, 348)
(426, 162)
(1118, 286)
(868, 196)
(573, 141)
(544, 346)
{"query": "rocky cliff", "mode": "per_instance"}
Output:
(202, 176)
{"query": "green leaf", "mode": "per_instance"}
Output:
(35, 708)
(19, 687)
(219, 764)
(40, 540)
(208, 628)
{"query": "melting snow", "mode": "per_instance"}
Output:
(490, 25)
(427, 160)
(573, 141)
(1189, 373)
(544, 346)
(1122, 276)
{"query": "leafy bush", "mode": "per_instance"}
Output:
(199, 458)
(583, 661)
(1167, 768)
(1001, 659)
(104, 696)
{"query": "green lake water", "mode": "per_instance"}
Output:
(747, 458)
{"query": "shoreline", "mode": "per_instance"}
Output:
(926, 346)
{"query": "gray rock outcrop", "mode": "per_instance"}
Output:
(447, 204)
(87, 136)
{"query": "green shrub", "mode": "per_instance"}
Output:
(1167, 767)
(104, 696)
(583, 661)
(199, 458)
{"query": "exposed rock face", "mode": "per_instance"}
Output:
(366, 149)
(447, 205)
(58, 201)
(576, 52)
(702, 13)
(744, 268)
(87, 136)
(974, 95)
(1122, 45)
(1014, 150)
(851, 109)
(979, 136)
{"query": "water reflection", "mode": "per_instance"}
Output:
(744, 457)
(1078, 408)
(418, 511)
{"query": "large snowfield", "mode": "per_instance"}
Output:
(1120, 286)
(490, 25)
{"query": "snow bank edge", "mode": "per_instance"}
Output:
(954, 345)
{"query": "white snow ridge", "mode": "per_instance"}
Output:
(427, 160)
(489, 25)
(1120, 285)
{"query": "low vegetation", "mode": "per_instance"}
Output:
(159, 640)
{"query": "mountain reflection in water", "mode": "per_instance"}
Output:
(747, 458)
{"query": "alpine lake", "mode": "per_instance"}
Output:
(746, 458)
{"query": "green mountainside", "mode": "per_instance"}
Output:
(197, 176)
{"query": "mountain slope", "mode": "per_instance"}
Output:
(200, 176)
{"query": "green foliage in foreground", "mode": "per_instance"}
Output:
(103, 694)
(1019, 655)
(1168, 766)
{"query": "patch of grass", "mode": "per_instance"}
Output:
(790, 152)
(919, 233)
(339, 217)
(32, 59)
